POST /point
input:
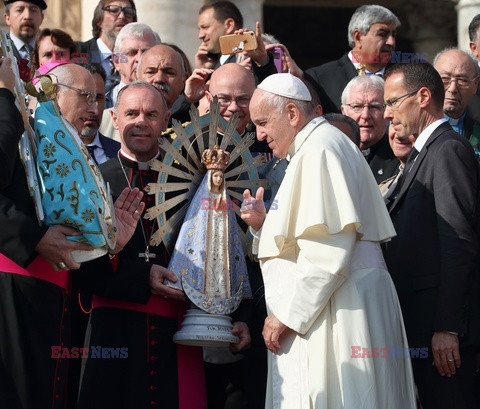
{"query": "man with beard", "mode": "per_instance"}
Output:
(371, 35)
(100, 147)
(108, 19)
(460, 76)
(24, 19)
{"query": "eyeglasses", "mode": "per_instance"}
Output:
(91, 98)
(373, 108)
(242, 102)
(391, 102)
(129, 12)
(462, 82)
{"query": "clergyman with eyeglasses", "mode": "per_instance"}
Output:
(460, 76)
(362, 100)
(108, 19)
(433, 260)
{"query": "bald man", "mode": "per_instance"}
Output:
(34, 272)
(234, 85)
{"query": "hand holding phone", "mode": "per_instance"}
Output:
(278, 58)
(237, 43)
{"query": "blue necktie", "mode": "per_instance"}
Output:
(91, 151)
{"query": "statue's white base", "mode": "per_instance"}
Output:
(81, 256)
(200, 328)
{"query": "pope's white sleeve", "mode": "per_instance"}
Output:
(256, 238)
(297, 292)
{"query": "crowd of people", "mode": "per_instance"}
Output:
(365, 274)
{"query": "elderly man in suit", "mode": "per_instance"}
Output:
(108, 19)
(371, 35)
(460, 76)
(433, 260)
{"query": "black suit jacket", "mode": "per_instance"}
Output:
(20, 231)
(333, 77)
(382, 160)
(110, 146)
(433, 260)
(90, 47)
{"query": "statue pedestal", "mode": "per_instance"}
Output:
(200, 328)
(80, 256)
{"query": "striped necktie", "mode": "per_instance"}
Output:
(26, 52)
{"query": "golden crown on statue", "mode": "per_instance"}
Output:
(215, 158)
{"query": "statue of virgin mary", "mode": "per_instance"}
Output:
(208, 255)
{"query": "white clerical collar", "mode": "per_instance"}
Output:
(104, 50)
(141, 165)
(19, 43)
(356, 65)
(425, 134)
(303, 134)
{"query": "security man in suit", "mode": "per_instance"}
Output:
(434, 258)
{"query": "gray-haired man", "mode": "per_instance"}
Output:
(371, 35)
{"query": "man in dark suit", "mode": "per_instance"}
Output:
(101, 148)
(371, 35)
(433, 260)
(362, 100)
(108, 20)
(460, 76)
(24, 19)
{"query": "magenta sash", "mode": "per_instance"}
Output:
(38, 268)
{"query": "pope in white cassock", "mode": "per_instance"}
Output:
(334, 330)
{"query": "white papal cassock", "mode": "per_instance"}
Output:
(325, 278)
